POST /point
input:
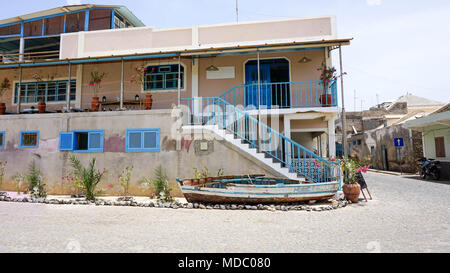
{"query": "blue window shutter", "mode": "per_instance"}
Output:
(142, 140)
(66, 141)
(96, 141)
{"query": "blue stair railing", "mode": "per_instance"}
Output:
(217, 111)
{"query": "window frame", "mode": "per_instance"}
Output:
(3, 134)
(29, 132)
(164, 75)
(142, 149)
(25, 89)
(89, 150)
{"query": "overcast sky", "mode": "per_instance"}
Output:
(399, 46)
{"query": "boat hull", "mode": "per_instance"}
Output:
(257, 194)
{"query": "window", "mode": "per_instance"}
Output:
(163, 77)
(142, 140)
(440, 146)
(2, 140)
(51, 91)
(82, 141)
(29, 139)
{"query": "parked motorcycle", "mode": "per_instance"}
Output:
(430, 168)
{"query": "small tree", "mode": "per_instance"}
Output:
(34, 180)
(160, 184)
(88, 177)
(96, 80)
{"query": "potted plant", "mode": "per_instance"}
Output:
(197, 176)
(41, 103)
(139, 78)
(328, 75)
(96, 80)
(352, 170)
(4, 85)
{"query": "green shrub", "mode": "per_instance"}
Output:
(88, 177)
(160, 184)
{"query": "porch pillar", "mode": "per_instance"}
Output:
(21, 49)
(121, 85)
(195, 65)
(68, 88)
(258, 136)
(19, 89)
(331, 138)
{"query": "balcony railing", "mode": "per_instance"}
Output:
(283, 95)
(29, 57)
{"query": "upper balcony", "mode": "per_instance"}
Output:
(36, 37)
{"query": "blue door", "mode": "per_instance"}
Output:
(251, 85)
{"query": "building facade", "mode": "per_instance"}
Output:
(259, 82)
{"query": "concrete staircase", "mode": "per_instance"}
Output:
(221, 134)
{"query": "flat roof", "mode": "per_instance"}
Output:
(187, 52)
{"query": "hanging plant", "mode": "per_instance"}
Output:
(96, 80)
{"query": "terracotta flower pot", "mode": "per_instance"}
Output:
(2, 108)
(187, 182)
(194, 182)
(325, 99)
(148, 101)
(41, 106)
(95, 103)
(351, 192)
(202, 181)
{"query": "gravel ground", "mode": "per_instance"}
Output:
(406, 215)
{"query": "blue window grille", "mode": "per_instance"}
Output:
(2, 139)
(29, 139)
(142, 140)
(163, 77)
(82, 141)
(50, 91)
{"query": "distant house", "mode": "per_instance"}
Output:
(435, 129)
(371, 133)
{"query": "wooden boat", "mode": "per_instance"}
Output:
(256, 189)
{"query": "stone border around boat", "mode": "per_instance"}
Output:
(333, 205)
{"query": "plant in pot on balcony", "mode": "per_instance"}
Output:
(4, 85)
(326, 78)
(139, 79)
(96, 80)
(352, 170)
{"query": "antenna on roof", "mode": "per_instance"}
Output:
(237, 11)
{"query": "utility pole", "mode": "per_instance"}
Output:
(344, 122)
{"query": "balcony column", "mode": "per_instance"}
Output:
(68, 88)
(19, 89)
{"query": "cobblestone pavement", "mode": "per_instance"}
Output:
(406, 215)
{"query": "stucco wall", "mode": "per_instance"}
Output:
(54, 163)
